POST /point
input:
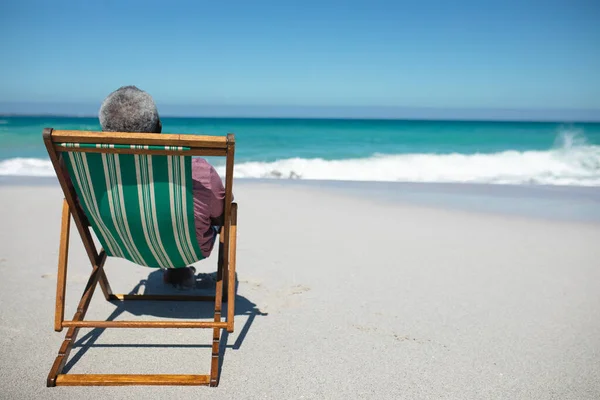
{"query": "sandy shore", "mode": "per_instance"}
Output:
(342, 295)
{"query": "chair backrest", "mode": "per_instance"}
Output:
(136, 190)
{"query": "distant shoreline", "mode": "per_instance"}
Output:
(358, 119)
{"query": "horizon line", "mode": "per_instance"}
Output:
(340, 118)
(88, 110)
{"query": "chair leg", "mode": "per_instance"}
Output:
(71, 336)
(61, 277)
(105, 286)
(214, 365)
(215, 355)
(231, 270)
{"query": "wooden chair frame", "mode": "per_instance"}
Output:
(225, 284)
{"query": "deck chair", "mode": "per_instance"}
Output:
(134, 191)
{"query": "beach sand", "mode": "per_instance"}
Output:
(344, 293)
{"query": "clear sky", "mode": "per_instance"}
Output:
(519, 55)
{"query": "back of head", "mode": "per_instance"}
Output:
(129, 109)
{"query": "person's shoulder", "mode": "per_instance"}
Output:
(202, 168)
(199, 161)
(200, 164)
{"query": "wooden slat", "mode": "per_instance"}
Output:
(69, 136)
(214, 363)
(227, 206)
(104, 285)
(129, 380)
(231, 274)
(91, 285)
(70, 196)
(223, 264)
(219, 142)
(159, 297)
(214, 358)
(74, 207)
(200, 152)
(63, 257)
(145, 324)
(160, 139)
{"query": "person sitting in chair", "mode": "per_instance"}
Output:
(129, 109)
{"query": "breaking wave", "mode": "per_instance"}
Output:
(556, 167)
(571, 162)
(26, 167)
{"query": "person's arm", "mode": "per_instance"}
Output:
(217, 198)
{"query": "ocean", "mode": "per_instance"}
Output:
(521, 153)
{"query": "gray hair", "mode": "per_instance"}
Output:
(129, 109)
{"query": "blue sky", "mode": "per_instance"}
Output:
(523, 56)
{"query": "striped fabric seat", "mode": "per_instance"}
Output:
(140, 206)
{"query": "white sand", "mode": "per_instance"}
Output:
(363, 299)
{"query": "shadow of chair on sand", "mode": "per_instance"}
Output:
(190, 310)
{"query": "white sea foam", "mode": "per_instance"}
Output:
(554, 167)
(571, 162)
(26, 167)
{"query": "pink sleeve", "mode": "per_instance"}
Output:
(216, 186)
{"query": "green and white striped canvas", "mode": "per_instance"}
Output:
(120, 146)
(140, 206)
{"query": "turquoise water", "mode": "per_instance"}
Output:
(388, 150)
